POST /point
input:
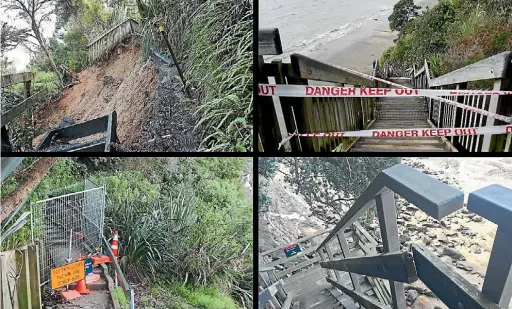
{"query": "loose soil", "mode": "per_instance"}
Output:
(153, 113)
(123, 82)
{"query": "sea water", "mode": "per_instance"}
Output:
(307, 25)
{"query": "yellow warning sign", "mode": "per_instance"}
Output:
(161, 28)
(67, 274)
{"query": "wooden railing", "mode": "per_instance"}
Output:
(107, 41)
(19, 280)
(437, 200)
(497, 69)
(18, 119)
(280, 116)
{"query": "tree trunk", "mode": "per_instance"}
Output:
(42, 43)
(29, 182)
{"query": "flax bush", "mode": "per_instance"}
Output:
(213, 42)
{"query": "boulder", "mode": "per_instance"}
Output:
(412, 295)
(453, 253)
(403, 238)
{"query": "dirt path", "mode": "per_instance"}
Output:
(30, 180)
(169, 126)
(95, 300)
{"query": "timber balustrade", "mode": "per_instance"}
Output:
(280, 116)
(495, 70)
(437, 200)
(108, 40)
(19, 282)
(19, 118)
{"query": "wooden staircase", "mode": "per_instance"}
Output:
(400, 113)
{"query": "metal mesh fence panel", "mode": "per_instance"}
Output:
(66, 226)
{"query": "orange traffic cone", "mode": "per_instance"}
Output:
(81, 287)
(115, 245)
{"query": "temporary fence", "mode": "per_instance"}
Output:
(68, 225)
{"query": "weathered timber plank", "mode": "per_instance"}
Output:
(96, 147)
(362, 299)
(309, 274)
(299, 240)
(267, 294)
(129, 20)
(444, 281)
(288, 302)
(287, 271)
(90, 127)
(365, 233)
(432, 196)
(11, 79)
(111, 131)
(269, 42)
(494, 67)
(345, 251)
(386, 212)
(308, 68)
(16, 110)
(391, 266)
(263, 268)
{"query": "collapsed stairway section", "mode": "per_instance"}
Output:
(304, 280)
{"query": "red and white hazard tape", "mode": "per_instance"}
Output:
(346, 92)
(330, 91)
(421, 132)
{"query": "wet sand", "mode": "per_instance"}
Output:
(358, 49)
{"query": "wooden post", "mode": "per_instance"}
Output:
(498, 278)
(323, 257)
(33, 270)
(23, 285)
(331, 257)
(389, 230)
(457, 115)
(345, 251)
(285, 105)
(268, 128)
(493, 108)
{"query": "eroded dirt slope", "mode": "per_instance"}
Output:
(124, 83)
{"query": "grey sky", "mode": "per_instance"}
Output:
(20, 55)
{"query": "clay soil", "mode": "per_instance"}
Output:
(124, 83)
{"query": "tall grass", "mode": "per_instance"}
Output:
(213, 41)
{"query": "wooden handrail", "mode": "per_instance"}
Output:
(494, 67)
(308, 68)
(11, 79)
(429, 194)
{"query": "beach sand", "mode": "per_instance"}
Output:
(357, 50)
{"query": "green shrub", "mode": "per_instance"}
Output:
(466, 31)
